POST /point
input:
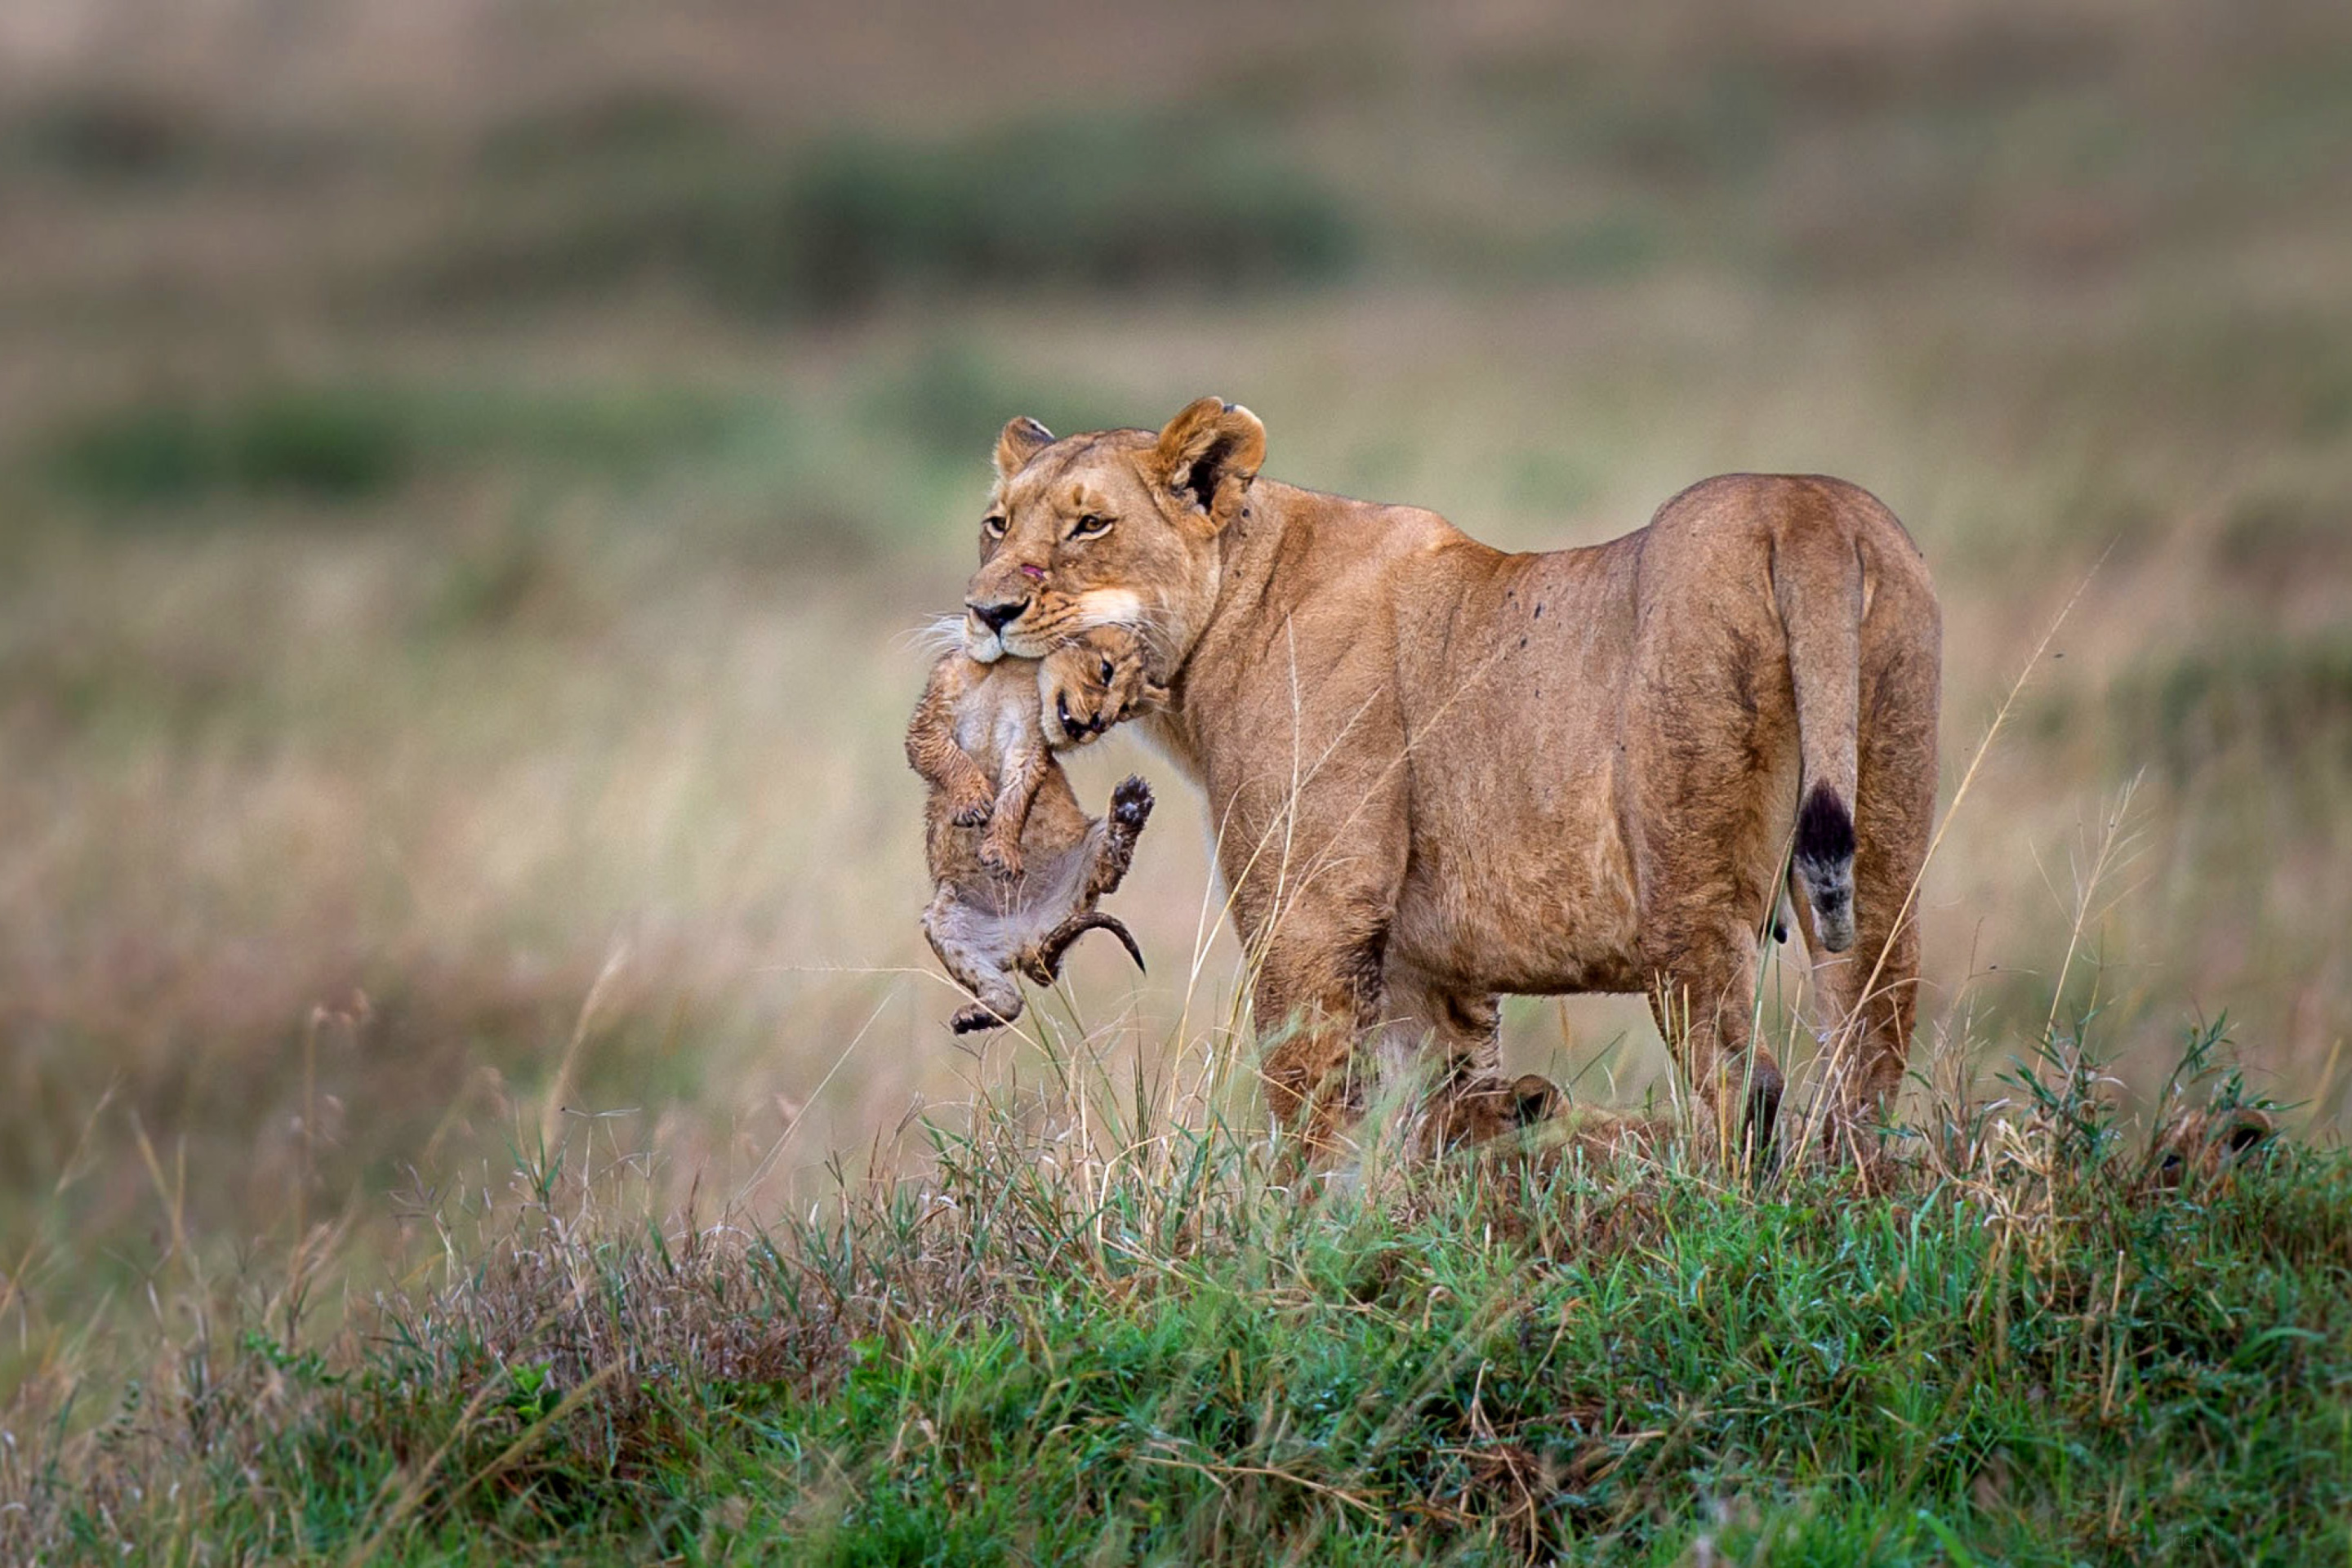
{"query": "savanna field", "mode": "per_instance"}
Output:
(474, 480)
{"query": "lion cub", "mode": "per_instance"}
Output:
(1017, 863)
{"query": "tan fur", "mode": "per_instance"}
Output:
(1488, 1111)
(1439, 772)
(1017, 867)
(2203, 1144)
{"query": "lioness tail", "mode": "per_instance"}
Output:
(1817, 579)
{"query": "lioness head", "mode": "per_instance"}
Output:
(1116, 527)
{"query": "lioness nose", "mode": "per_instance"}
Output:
(996, 618)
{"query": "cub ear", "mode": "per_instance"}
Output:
(1021, 440)
(1209, 454)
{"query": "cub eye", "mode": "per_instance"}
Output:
(1107, 672)
(1089, 525)
(993, 525)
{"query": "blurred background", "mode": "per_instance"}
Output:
(471, 471)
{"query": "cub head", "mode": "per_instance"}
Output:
(2206, 1144)
(1115, 527)
(1094, 680)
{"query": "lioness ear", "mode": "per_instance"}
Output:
(1209, 454)
(1021, 440)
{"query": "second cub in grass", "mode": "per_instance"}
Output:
(1016, 863)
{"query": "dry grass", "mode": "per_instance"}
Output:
(550, 1360)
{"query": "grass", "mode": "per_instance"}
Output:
(1068, 204)
(1089, 1332)
(337, 446)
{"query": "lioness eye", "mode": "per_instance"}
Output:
(994, 525)
(1107, 672)
(1091, 523)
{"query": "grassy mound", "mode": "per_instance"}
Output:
(1091, 1335)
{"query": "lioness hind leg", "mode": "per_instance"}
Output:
(1705, 1010)
(1865, 1040)
(1869, 1036)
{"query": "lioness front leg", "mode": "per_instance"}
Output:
(1315, 1000)
(1451, 1047)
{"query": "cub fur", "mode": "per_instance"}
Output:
(1016, 866)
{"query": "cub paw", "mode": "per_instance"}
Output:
(970, 809)
(1130, 803)
(1001, 855)
(977, 1017)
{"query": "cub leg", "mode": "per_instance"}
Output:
(1024, 772)
(1109, 850)
(1114, 848)
(971, 949)
(932, 752)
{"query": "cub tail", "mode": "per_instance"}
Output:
(1047, 967)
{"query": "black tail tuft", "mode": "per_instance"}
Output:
(1824, 828)
(1825, 863)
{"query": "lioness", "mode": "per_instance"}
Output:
(1439, 771)
(1017, 865)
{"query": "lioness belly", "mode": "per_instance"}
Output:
(1519, 878)
(1530, 900)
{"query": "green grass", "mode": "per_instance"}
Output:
(343, 443)
(1069, 205)
(2015, 1340)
